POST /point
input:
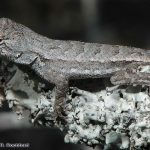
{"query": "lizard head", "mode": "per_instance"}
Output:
(11, 37)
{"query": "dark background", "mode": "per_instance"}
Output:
(124, 22)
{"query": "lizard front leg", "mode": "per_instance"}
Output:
(60, 95)
(136, 73)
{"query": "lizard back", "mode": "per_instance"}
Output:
(73, 58)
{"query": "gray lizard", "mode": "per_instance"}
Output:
(58, 61)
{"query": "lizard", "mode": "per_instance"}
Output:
(59, 61)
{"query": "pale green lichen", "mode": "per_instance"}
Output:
(21, 93)
(117, 115)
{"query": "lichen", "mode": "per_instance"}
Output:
(117, 115)
(25, 93)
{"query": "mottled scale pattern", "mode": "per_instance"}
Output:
(70, 57)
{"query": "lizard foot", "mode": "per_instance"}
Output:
(61, 117)
(60, 114)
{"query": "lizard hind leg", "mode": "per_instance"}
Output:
(133, 74)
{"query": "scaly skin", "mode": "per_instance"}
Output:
(59, 61)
